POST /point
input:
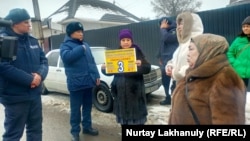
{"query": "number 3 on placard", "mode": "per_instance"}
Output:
(120, 66)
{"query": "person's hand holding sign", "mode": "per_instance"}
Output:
(138, 62)
(103, 67)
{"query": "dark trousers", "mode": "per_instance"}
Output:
(19, 115)
(80, 108)
(166, 82)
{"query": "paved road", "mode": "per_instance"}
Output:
(56, 122)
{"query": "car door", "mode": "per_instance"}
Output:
(62, 79)
(56, 79)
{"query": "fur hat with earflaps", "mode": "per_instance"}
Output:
(73, 26)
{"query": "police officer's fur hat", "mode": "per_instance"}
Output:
(73, 26)
(17, 15)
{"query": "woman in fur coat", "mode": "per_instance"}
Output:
(211, 92)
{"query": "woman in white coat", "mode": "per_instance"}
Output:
(189, 25)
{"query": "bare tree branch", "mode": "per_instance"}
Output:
(174, 7)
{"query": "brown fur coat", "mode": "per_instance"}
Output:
(215, 92)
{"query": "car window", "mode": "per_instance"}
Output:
(53, 58)
(99, 55)
(61, 65)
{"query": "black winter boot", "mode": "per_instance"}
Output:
(75, 138)
(167, 101)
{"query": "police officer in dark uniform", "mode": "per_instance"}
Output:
(21, 80)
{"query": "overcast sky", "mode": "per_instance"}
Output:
(140, 8)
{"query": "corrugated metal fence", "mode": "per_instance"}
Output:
(224, 21)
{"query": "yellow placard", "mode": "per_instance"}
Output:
(120, 60)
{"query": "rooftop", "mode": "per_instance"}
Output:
(92, 10)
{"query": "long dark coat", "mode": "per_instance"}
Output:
(129, 91)
(215, 92)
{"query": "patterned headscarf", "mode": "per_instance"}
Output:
(209, 46)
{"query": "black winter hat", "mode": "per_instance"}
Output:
(167, 19)
(246, 20)
(17, 15)
(72, 27)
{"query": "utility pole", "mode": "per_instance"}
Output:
(37, 24)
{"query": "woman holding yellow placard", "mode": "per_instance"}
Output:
(130, 105)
